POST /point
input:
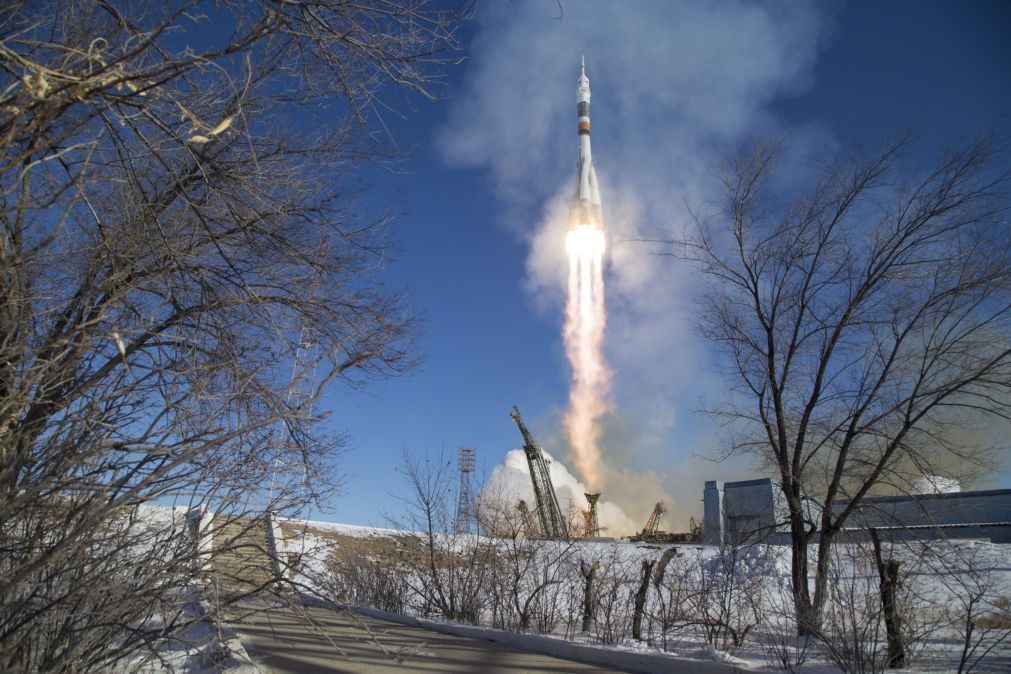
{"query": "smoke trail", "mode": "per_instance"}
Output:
(585, 319)
(676, 81)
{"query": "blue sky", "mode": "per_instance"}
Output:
(673, 84)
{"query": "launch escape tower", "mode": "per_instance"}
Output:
(548, 512)
(465, 516)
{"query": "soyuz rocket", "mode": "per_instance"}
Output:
(586, 204)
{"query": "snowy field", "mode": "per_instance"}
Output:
(700, 602)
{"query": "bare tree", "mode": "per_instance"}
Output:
(974, 604)
(355, 577)
(613, 598)
(723, 603)
(588, 573)
(640, 598)
(670, 581)
(527, 574)
(166, 180)
(865, 322)
(852, 634)
(783, 648)
(872, 624)
(449, 570)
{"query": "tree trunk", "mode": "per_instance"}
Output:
(888, 573)
(808, 619)
(640, 600)
(589, 573)
(821, 577)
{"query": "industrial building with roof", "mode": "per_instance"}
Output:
(756, 511)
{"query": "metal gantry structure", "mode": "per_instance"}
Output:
(548, 512)
(465, 516)
(592, 524)
(653, 523)
(530, 528)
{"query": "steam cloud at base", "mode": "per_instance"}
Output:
(510, 482)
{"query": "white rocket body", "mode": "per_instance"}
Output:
(586, 204)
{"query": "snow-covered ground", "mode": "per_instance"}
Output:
(729, 605)
(202, 648)
(702, 603)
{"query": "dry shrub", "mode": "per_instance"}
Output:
(355, 577)
(999, 618)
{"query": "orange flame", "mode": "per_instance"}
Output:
(585, 319)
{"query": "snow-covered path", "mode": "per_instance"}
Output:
(324, 641)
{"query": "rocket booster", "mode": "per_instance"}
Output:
(586, 204)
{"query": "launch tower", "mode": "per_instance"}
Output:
(530, 529)
(548, 512)
(592, 525)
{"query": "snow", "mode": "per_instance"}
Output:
(202, 648)
(936, 572)
(941, 577)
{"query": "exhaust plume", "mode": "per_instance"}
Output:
(675, 82)
(585, 319)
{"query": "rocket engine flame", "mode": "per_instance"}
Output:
(585, 319)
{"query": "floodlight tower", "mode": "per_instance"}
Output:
(465, 519)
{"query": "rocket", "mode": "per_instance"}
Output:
(586, 203)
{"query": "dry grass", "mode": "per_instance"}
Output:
(999, 619)
(391, 547)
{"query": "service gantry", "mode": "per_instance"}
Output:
(548, 511)
(592, 525)
(530, 529)
(652, 527)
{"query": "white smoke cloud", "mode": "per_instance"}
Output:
(510, 482)
(673, 83)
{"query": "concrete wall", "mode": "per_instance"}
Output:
(751, 511)
(755, 511)
(712, 512)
